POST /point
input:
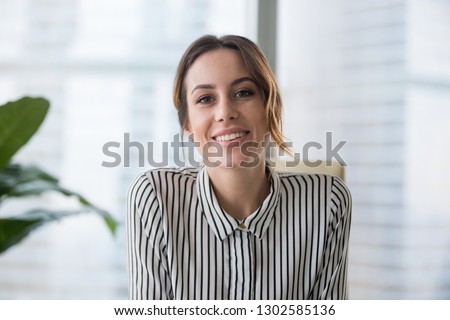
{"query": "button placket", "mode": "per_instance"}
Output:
(242, 226)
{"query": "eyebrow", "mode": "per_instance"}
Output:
(235, 82)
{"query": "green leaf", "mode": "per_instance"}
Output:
(110, 222)
(19, 120)
(21, 181)
(15, 229)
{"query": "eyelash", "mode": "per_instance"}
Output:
(246, 92)
(200, 100)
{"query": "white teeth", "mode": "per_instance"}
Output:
(232, 136)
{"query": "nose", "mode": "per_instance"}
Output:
(226, 110)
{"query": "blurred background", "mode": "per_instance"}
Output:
(375, 73)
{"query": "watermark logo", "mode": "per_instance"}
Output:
(183, 153)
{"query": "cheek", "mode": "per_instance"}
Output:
(259, 118)
(197, 126)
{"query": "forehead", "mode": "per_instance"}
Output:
(216, 67)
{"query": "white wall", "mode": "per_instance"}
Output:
(376, 74)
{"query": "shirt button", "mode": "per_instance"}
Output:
(242, 226)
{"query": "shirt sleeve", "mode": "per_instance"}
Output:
(147, 263)
(332, 276)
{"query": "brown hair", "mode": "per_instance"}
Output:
(257, 65)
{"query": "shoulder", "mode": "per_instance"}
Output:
(157, 181)
(167, 178)
(312, 178)
(316, 180)
(321, 191)
(157, 176)
(327, 187)
(148, 192)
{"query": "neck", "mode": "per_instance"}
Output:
(240, 191)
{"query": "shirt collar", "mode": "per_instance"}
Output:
(222, 223)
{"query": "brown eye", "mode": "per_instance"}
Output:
(204, 100)
(243, 93)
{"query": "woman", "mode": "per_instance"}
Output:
(235, 228)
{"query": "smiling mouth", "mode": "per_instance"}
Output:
(231, 136)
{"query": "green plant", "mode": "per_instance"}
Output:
(19, 120)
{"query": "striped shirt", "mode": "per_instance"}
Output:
(182, 245)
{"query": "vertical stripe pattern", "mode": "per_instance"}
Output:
(182, 245)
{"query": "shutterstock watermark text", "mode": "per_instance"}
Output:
(183, 153)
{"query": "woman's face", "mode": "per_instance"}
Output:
(225, 110)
